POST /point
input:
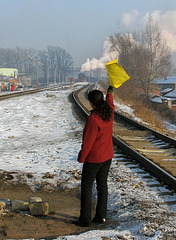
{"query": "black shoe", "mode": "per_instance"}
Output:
(99, 220)
(81, 224)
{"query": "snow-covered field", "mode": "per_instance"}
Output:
(39, 136)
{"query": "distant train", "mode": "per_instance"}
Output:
(83, 78)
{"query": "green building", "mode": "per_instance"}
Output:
(10, 72)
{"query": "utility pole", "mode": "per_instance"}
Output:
(63, 76)
(37, 74)
(55, 76)
(47, 76)
(59, 77)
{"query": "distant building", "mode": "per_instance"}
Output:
(171, 94)
(24, 80)
(8, 76)
(6, 82)
(163, 83)
(167, 92)
(75, 73)
(11, 72)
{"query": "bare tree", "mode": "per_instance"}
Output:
(17, 58)
(43, 56)
(25, 60)
(56, 59)
(7, 57)
(159, 63)
(144, 55)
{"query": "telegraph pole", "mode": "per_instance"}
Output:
(63, 76)
(47, 76)
(59, 77)
(37, 74)
(55, 76)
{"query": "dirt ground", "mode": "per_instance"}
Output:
(65, 209)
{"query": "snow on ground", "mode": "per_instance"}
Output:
(127, 109)
(40, 137)
(170, 127)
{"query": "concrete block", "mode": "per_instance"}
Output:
(19, 205)
(2, 205)
(35, 199)
(40, 208)
(5, 200)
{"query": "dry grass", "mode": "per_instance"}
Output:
(129, 94)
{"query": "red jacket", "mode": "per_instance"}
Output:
(12, 87)
(97, 145)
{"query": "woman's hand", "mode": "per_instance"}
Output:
(110, 89)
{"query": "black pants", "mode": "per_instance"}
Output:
(90, 172)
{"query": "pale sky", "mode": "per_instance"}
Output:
(80, 26)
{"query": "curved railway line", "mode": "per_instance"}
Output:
(25, 92)
(154, 151)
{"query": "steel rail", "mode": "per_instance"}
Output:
(148, 164)
(25, 92)
(143, 127)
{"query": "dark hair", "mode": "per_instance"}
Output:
(102, 107)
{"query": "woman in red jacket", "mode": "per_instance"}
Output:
(96, 154)
(13, 87)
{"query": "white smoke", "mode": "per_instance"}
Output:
(165, 20)
(167, 24)
(130, 17)
(100, 63)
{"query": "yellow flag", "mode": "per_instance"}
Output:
(117, 74)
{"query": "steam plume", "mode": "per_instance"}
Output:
(100, 63)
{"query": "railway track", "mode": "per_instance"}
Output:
(25, 92)
(153, 151)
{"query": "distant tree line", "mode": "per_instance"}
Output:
(144, 55)
(53, 59)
